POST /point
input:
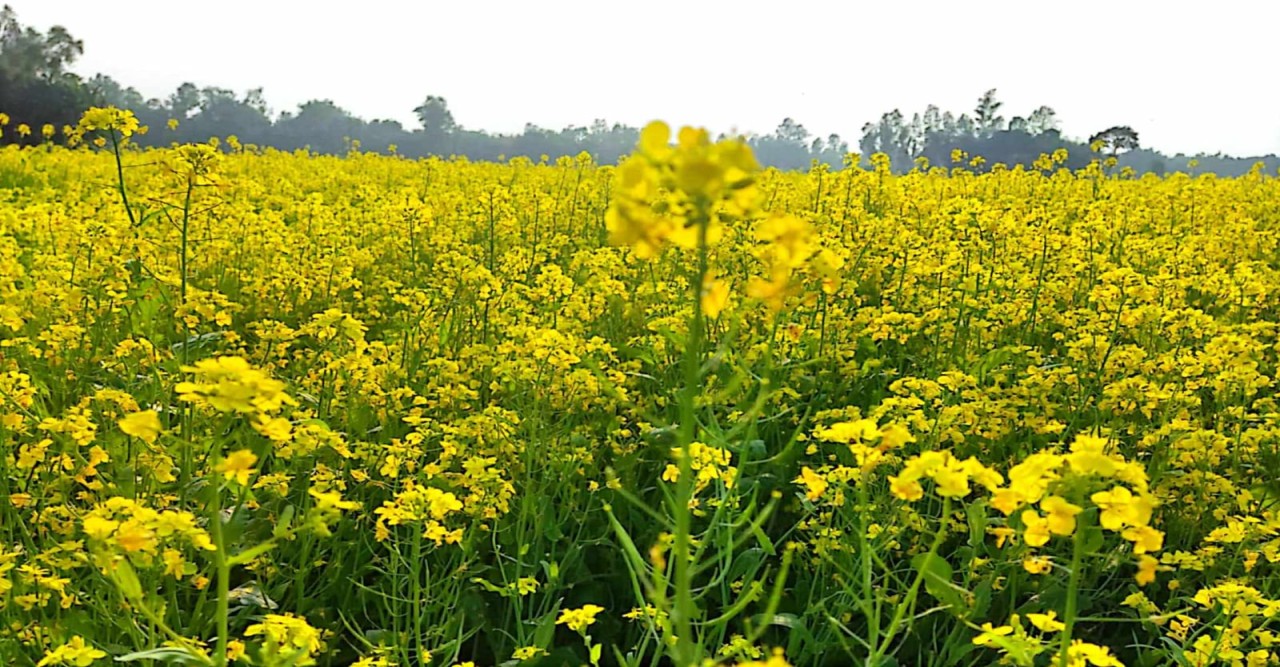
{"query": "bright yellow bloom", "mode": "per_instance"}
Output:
(287, 635)
(860, 430)
(99, 528)
(75, 652)
(134, 535)
(527, 653)
(1002, 534)
(1089, 457)
(229, 384)
(526, 586)
(1061, 515)
(174, 564)
(906, 488)
(1037, 529)
(276, 429)
(1120, 508)
(1082, 653)
(441, 503)
(715, 296)
(1046, 622)
(952, 482)
(1006, 500)
(1037, 564)
(815, 485)
(1146, 570)
(144, 425)
(990, 633)
(579, 619)
(109, 119)
(1145, 538)
(894, 436)
(790, 240)
(680, 195)
(238, 466)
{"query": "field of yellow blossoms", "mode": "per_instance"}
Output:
(260, 408)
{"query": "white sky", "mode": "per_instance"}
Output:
(1189, 76)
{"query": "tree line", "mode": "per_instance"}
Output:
(37, 87)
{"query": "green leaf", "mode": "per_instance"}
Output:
(976, 513)
(746, 562)
(547, 628)
(938, 574)
(252, 553)
(127, 579)
(763, 540)
(982, 599)
(1094, 539)
(284, 523)
(196, 342)
(171, 654)
(491, 587)
(793, 623)
(552, 531)
(250, 594)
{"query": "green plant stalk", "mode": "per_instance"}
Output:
(909, 599)
(124, 194)
(685, 652)
(868, 590)
(186, 414)
(222, 568)
(304, 563)
(186, 224)
(775, 596)
(177, 638)
(416, 583)
(1073, 589)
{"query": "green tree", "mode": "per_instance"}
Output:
(319, 125)
(184, 101)
(28, 53)
(437, 125)
(987, 113)
(36, 84)
(1043, 119)
(1116, 140)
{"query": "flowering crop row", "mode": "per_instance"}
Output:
(278, 409)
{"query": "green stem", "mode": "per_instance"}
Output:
(186, 413)
(686, 651)
(416, 583)
(186, 220)
(124, 193)
(1073, 589)
(864, 549)
(909, 599)
(173, 636)
(222, 567)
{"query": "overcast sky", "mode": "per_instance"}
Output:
(1189, 76)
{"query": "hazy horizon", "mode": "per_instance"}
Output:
(1184, 81)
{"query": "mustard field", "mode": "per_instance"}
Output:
(265, 408)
